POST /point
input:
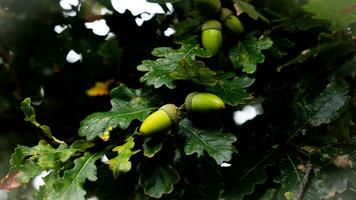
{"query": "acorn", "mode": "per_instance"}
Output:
(203, 102)
(231, 21)
(160, 120)
(211, 36)
(208, 7)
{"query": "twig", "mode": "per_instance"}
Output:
(304, 182)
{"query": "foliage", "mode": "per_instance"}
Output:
(295, 59)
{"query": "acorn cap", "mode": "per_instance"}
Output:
(211, 24)
(188, 101)
(172, 111)
(225, 13)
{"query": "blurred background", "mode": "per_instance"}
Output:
(66, 55)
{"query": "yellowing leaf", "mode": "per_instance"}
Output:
(100, 88)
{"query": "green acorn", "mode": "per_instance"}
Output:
(160, 120)
(212, 36)
(203, 102)
(231, 21)
(208, 7)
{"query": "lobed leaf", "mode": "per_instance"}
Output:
(127, 105)
(70, 185)
(177, 64)
(326, 106)
(159, 180)
(247, 53)
(244, 174)
(121, 163)
(217, 144)
(232, 90)
(243, 7)
(341, 14)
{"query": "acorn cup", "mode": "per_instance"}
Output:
(160, 120)
(208, 7)
(212, 36)
(231, 21)
(203, 102)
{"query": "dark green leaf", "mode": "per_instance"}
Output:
(343, 12)
(244, 174)
(289, 179)
(247, 53)
(121, 163)
(158, 181)
(158, 72)
(243, 7)
(326, 106)
(149, 150)
(127, 105)
(217, 144)
(232, 91)
(309, 53)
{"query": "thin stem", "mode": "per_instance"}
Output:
(304, 182)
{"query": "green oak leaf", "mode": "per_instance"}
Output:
(341, 14)
(245, 173)
(30, 116)
(158, 72)
(232, 90)
(217, 144)
(194, 71)
(290, 178)
(325, 182)
(127, 105)
(325, 107)
(150, 148)
(243, 7)
(70, 185)
(247, 53)
(30, 161)
(121, 163)
(158, 180)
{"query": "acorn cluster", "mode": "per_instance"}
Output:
(212, 29)
(168, 115)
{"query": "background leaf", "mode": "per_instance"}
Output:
(245, 173)
(326, 106)
(243, 7)
(344, 12)
(247, 53)
(159, 180)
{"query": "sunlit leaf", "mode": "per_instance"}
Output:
(30, 116)
(121, 163)
(100, 88)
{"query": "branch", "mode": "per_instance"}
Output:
(304, 182)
